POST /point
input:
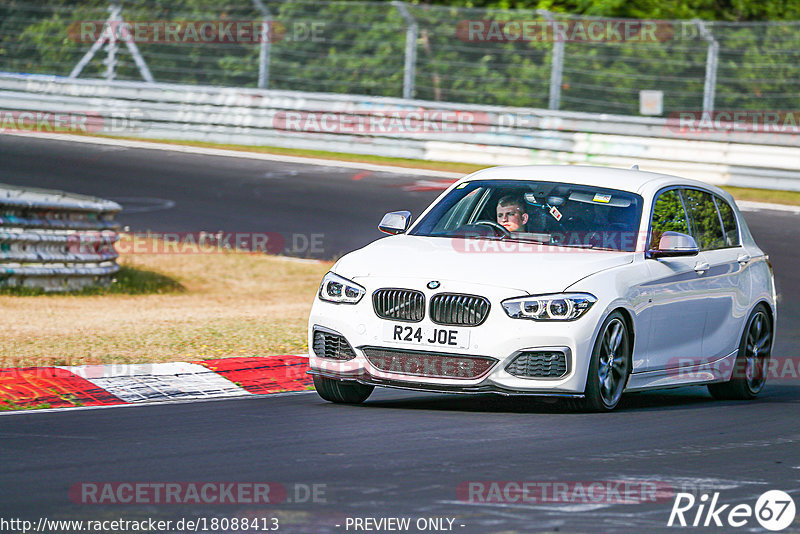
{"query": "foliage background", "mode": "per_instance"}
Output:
(361, 51)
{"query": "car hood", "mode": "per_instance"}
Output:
(525, 267)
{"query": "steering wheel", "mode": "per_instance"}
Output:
(500, 229)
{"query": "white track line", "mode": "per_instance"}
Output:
(239, 154)
(748, 205)
(244, 396)
(745, 205)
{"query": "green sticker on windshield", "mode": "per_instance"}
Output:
(461, 186)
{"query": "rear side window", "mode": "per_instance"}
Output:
(729, 226)
(668, 216)
(704, 219)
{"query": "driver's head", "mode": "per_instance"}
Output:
(511, 213)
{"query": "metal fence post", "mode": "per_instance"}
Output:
(556, 65)
(412, 34)
(109, 35)
(115, 10)
(264, 51)
(87, 57)
(712, 60)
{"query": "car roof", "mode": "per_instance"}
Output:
(632, 180)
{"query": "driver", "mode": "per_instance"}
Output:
(511, 213)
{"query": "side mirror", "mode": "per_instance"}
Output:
(395, 222)
(673, 245)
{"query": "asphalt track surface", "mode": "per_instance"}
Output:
(401, 453)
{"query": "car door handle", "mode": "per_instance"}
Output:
(701, 268)
(743, 259)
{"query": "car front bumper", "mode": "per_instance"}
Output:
(500, 338)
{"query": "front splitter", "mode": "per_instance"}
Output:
(434, 388)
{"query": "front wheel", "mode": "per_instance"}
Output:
(610, 366)
(341, 392)
(750, 370)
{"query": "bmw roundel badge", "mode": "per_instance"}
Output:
(433, 284)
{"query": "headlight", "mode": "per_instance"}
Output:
(557, 307)
(334, 288)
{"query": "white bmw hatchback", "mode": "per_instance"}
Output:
(566, 281)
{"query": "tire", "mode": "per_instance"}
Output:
(750, 369)
(341, 392)
(610, 366)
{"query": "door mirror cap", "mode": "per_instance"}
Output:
(674, 245)
(395, 222)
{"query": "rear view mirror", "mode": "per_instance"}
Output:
(673, 245)
(395, 222)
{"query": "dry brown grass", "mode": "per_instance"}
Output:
(234, 304)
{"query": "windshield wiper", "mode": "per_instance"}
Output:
(487, 237)
(527, 240)
(574, 245)
(469, 236)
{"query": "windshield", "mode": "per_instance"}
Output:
(543, 212)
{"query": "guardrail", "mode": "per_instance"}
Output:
(56, 241)
(492, 135)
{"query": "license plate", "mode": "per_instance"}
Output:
(438, 336)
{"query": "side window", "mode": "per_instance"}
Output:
(458, 214)
(728, 223)
(706, 226)
(668, 216)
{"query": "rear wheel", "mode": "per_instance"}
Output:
(341, 392)
(610, 366)
(750, 370)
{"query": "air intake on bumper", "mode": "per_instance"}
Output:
(540, 364)
(331, 345)
(428, 364)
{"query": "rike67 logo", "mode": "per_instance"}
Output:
(774, 510)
